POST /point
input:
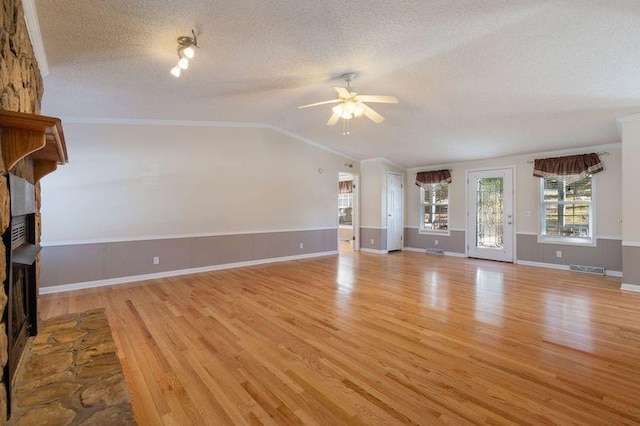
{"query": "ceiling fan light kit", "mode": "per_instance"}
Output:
(351, 105)
(186, 51)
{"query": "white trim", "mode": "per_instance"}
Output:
(630, 117)
(630, 287)
(384, 160)
(35, 35)
(170, 237)
(563, 267)
(543, 265)
(372, 227)
(628, 243)
(193, 123)
(421, 250)
(374, 251)
(175, 273)
(414, 249)
(568, 241)
(454, 254)
(609, 237)
(599, 237)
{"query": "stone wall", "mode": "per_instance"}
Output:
(20, 90)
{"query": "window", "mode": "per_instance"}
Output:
(567, 210)
(345, 209)
(434, 208)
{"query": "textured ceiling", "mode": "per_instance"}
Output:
(475, 79)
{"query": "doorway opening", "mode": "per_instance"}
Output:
(348, 212)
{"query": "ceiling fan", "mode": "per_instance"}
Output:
(351, 104)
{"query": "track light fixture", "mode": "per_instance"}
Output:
(186, 51)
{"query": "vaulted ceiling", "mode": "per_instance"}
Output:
(475, 79)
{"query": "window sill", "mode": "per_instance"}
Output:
(572, 241)
(433, 232)
(345, 226)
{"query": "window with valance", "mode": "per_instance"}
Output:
(434, 200)
(567, 197)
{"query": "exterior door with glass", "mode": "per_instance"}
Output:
(490, 227)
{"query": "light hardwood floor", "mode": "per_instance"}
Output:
(369, 339)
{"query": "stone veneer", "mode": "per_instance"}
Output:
(20, 90)
(70, 374)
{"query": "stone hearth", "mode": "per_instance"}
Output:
(70, 374)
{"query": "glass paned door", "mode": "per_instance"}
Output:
(490, 224)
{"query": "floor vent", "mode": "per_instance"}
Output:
(434, 251)
(598, 270)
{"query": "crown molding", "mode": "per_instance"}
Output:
(33, 28)
(630, 117)
(626, 119)
(196, 123)
(384, 160)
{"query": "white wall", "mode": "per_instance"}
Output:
(373, 196)
(608, 191)
(129, 181)
(631, 178)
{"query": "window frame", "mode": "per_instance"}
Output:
(421, 212)
(590, 241)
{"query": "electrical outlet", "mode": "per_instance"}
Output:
(373, 241)
(301, 245)
(558, 253)
(527, 213)
(156, 260)
(436, 242)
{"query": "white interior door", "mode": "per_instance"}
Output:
(394, 211)
(490, 226)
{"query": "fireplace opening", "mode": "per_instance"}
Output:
(20, 316)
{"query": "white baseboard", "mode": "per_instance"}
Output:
(563, 267)
(446, 253)
(417, 250)
(368, 250)
(454, 254)
(175, 273)
(630, 287)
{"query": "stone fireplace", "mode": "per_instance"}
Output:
(31, 147)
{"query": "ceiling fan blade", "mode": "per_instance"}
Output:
(333, 101)
(371, 114)
(342, 92)
(333, 120)
(377, 98)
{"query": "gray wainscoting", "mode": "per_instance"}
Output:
(607, 253)
(92, 262)
(630, 256)
(454, 242)
(379, 237)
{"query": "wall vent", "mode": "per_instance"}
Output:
(598, 270)
(434, 251)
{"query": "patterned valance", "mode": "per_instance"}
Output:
(434, 176)
(345, 187)
(570, 169)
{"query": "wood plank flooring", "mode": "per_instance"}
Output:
(406, 338)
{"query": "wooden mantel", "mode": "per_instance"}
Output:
(32, 136)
